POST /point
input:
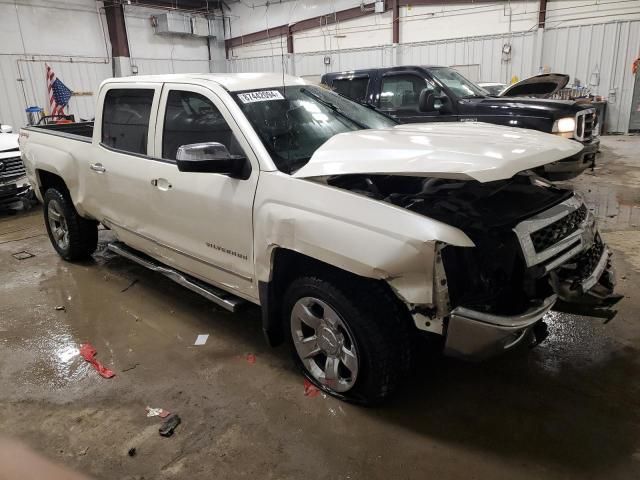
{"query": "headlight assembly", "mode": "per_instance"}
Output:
(564, 125)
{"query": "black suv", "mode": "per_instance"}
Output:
(441, 94)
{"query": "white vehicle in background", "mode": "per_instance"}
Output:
(354, 234)
(14, 186)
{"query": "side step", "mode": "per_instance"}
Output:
(220, 297)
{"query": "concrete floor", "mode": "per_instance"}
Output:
(569, 408)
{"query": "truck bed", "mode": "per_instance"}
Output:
(79, 131)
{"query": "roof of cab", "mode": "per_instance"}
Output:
(233, 82)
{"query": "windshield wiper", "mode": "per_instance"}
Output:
(331, 106)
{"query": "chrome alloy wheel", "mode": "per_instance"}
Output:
(58, 224)
(324, 344)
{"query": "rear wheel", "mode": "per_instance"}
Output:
(73, 237)
(349, 339)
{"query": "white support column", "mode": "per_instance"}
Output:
(121, 66)
(537, 57)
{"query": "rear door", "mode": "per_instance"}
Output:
(353, 87)
(400, 94)
(202, 223)
(117, 176)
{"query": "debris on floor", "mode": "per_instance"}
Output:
(202, 339)
(251, 358)
(22, 255)
(133, 282)
(131, 367)
(132, 452)
(61, 308)
(169, 426)
(89, 353)
(310, 390)
(157, 412)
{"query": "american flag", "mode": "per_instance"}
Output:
(59, 93)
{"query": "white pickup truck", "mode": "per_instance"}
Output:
(354, 234)
(14, 186)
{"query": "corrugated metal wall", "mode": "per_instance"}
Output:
(607, 48)
(23, 82)
(486, 52)
(572, 50)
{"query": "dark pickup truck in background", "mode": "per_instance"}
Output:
(412, 94)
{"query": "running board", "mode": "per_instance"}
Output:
(220, 297)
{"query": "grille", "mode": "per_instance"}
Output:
(585, 124)
(587, 261)
(583, 265)
(551, 234)
(11, 169)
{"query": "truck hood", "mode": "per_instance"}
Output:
(464, 151)
(9, 145)
(542, 86)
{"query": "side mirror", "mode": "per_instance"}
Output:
(442, 103)
(211, 157)
(6, 129)
(431, 101)
(426, 102)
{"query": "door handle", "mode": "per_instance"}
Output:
(161, 184)
(97, 167)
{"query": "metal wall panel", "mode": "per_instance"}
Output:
(483, 51)
(159, 66)
(607, 48)
(256, 64)
(577, 51)
(308, 64)
(82, 75)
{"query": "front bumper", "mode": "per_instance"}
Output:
(561, 244)
(573, 166)
(14, 191)
(474, 335)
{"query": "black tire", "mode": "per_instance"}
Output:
(82, 234)
(375, 320)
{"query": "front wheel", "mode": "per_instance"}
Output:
(72, 236)
(349, 339)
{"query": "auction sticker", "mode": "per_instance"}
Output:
(261, 96)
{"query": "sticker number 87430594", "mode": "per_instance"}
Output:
(260, 96)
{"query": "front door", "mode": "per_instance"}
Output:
(202, 222)
(400, 94)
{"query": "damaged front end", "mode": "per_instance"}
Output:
(534, 243)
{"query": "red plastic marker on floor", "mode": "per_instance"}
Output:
(251, 358)
(310, 390)
(89, 353)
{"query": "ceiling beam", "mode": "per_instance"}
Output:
(542, 14)
(395, 20)
(117, 30)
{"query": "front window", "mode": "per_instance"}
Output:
(294, 121)
(401, 92)
(459, 85)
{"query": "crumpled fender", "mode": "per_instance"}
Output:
(358, 234)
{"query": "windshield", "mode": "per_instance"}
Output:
(293, 122)
(462, 87)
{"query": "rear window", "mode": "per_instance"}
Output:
(125, 119)
(353, 88)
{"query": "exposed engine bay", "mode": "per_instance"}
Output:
(508, 269)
